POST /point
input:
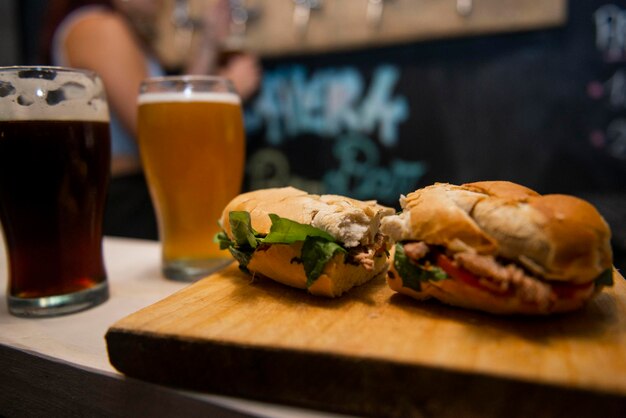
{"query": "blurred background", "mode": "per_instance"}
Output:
(375, 98)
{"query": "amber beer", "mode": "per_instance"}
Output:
(54, 171)
(192, 147)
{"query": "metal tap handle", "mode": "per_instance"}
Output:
(464, 7)
(302, 14)
(374, 14)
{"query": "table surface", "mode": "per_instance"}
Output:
(77, 340)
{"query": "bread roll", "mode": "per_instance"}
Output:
(553, 238)
(352, 223)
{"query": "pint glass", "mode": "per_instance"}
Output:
(192, 146)
(54, 170)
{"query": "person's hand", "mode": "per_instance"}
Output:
(216, 23)
(204, 56)
(244, 71)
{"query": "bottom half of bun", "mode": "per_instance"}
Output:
(281, 263)
(457, 293)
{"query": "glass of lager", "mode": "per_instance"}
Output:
(54, 172)
(192, 146)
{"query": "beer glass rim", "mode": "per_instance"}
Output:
(185, 77)
(17, 68)
(187, 80)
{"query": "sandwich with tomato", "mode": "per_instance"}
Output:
(325, 244)
(499, 247)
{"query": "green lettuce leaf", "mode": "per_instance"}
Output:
(318, 246)
(222, 239)
(246, 238)
(242, 230)
(243, 256)
(286, 231)
(605, 279)
(316, 252)
(412, 274)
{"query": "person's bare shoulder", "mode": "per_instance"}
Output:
(96, 34)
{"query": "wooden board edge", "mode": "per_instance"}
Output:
(335, 383)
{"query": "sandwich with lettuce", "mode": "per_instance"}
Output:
(325, 244)
(499, 247)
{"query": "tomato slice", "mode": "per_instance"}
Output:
(467, 277)
(562, 290)
(456, 272)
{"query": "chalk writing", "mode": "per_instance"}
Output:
(329, 102)
(347, 112)
(613, 90)
(610, 22)
(616, 138)
(271, 168)
(360, 175)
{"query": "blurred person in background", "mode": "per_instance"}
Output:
(114, 38)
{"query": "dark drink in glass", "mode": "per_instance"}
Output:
(54, 170)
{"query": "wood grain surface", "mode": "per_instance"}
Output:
(374, 352)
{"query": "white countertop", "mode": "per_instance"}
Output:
(77, 339)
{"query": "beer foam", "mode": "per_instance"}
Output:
(189, 96)
(50, 93)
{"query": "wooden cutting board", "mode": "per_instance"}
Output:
(377, 353)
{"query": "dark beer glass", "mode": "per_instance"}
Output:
(54, 171)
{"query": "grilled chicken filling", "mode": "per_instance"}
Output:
(491, 274)
(504, 278)
(365, 254)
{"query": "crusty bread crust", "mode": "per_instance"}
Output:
(351, 222)
(440, 215)
(580, 239)
(502, 189)
(557, 237)
(280, 262)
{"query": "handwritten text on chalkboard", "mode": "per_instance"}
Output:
(355, 116)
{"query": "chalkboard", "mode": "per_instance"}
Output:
(543, 108)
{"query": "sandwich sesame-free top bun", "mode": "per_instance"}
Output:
(557, 237)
